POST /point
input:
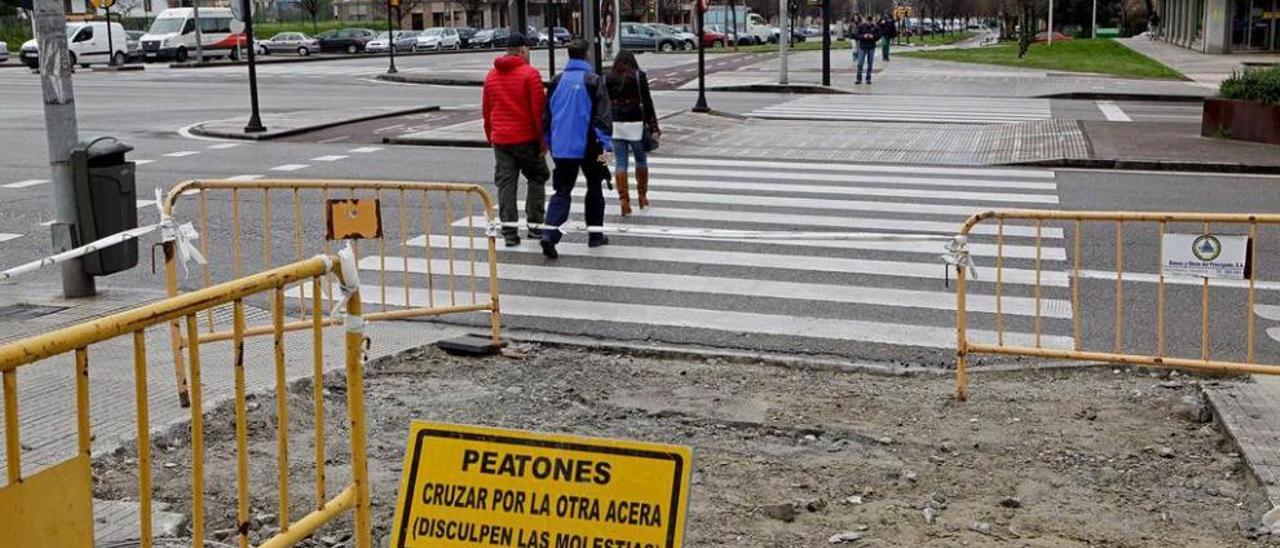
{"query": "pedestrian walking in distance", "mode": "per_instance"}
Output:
(635, 126)
(577, 127)
(512, 103)
(867, 35)
(888, 31)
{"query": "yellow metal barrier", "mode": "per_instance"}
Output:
(53, 507)
(417, 207)
(1202, 223)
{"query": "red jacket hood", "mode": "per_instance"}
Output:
(508, 63)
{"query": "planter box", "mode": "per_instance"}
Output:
(1241, 120)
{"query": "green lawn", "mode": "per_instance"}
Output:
(1103, 56)
(815, 44)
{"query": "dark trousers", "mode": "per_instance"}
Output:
(510, 162)
(563, 179)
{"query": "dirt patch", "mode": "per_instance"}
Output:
(1046, 458)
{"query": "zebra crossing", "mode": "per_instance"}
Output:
(909, 108)
(771, 293)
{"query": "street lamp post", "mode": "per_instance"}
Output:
(701, 105)
(551, 40)
(255, 121)
(391, 38)
(826, 42)
(1094, 24)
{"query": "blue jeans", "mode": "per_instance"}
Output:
(563, 178)
(864, 54)
(620, 149)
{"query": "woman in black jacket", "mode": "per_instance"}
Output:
(635, 126)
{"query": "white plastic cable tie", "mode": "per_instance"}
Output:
(957, 255)
(181, 235)
(348, 285)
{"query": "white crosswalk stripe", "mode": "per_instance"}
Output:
(894, 108)
(830, 290)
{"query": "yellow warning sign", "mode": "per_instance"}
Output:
(353, 219)
(477, 486)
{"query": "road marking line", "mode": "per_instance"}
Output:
(144, 162)
(902, 269)
(182, 153)
(47, 223)
(336, 139)
(852, 223)
(682, 283)
(1048, 253)
(1113, 112)
(978, 196)
(144, 203)
(27, 183)
(224, 146)
(1147, 277)
(962, 211)
(722, 320)
(245, 178)
(365, 150)
(798, 174)
(290, 167)
(869, 168)
(4, 237)
(331, 158)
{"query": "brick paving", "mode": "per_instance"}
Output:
(1249, 413)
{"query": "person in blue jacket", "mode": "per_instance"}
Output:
(577, 125)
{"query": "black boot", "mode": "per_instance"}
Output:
(549, 250)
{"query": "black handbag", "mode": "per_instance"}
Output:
(648, 140)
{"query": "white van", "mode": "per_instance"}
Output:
(87, 42)
(173, 35)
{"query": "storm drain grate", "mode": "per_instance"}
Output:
(27, 311)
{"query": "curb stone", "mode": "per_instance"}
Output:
(199, 129)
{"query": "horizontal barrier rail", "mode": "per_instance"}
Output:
(256, 232)
(63, 493)
(1113, 229)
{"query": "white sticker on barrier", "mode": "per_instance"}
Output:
(1206, 256)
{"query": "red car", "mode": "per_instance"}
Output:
(713, 39)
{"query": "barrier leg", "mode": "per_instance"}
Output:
(175, 333)
(355, 410)
(962, 320)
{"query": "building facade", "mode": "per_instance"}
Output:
(1221, 26)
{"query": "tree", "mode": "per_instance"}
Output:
(312, 8)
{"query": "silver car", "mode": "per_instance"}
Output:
(4, 52)
(290, 42)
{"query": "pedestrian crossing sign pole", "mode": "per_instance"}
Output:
(701, 105)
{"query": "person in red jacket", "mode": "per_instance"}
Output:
(513, 98)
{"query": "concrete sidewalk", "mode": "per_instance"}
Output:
(1207, 70)
(911, 76)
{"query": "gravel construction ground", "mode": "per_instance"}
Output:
(785, 456)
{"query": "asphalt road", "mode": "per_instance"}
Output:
(149, 109)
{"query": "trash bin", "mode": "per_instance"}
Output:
(106, 202)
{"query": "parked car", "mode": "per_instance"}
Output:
(641, 37)
(536, 36)
(135, 45)
(690, 39)
(290, 42)
(172, 35)
(4, 52)
(350, 40)
(406, 40)
(490, 38)
(713, 39)
(563, 35)
(439, 38)
(729, 37)
(465, 34)
(87, 43)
